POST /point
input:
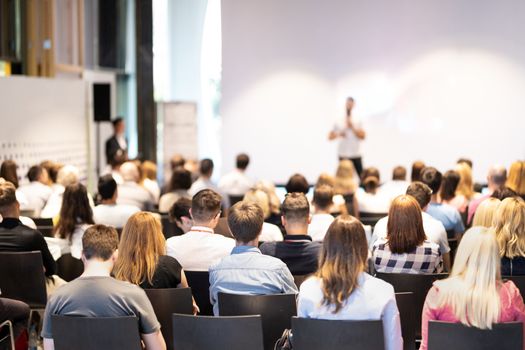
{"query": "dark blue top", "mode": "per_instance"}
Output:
(513, 267)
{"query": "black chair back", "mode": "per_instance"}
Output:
(169, 229)
(22, 278)
(167, 302)
(419, 284)
(519, 281)
(69, 268)
(235, 199)
(199, 282)
(276, 312)
(90, 333)
(371, 218)
(456, 336)
(315, 334)
(217, 333)
(407, 314)
(44, 226)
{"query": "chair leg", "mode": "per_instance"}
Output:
(11, 334)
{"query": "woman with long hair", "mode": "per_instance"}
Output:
(474, 294)
(406, 248)
(516, 178)
(466, 184)
(270, 232)
(346, 186)
(448, 193)
(180, 183)
(342, 290)
(509, 223)
(485, 212)
(8, 172)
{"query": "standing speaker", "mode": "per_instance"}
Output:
(102, 102)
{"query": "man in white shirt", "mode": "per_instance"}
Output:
(37, 192)
(108, 212)
(434, 229)
(397, 186)
(237, 183)
(322, 218)
(130, 192)
(200, 248)
(204, 180)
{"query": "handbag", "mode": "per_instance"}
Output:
(285, 341)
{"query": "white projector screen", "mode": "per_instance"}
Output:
(433, 81)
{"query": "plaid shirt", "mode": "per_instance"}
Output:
(426, 258)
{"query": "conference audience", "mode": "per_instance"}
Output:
(148, 179)
(179, 214)
(130, 192)
(297, 183)
(346, 186)
(496, 178)
(397, 186)
(474, 294)
(52, 168)
(516, 178)
(448, 191)
(321, 219)
(509, 224)
(370, 198)
(270, 232)
(36, 192)
(237, 183)
(339, 205)
(417, 167)
(341, 289)
(247, 271)
(199, 248)
(180, 183)
(466, 184)
(486, 213)
(275, 204)
(96, 294)
(204, 181)
(108, 211)
(177, 161)
(504, 192)
(8, 171)
(67, 175)
(297, 251)
(406, 248)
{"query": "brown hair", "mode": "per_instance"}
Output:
(421, 192)
(141, 245)
(323, 196)
(344, 178)
(516, 178)
(205, 205)
(405, 225)
(417, 167)
(296, 207)
(75, 209)
(343, 257)
(245, 221)
(99, 241)
(399, 173)
(449, 185)
(148, 170)
(7, 194)
(8, 172)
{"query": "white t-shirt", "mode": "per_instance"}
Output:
(393, 188)
(270, 233)
(349, 145)
(235, 183)
(372, 203)
(115, 215)
(319, 225)
(36, 194)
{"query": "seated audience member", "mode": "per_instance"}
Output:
(177, 161)
(204, 181)
(346, 186)
(297, 183)
(180, 214)
(486, 213)
(108, 212)
(75, 217)
(237, 183)
(52, 168)
(275, 204)
(495, 180)
(466, 183)
(8, 172)
(37, 192)
(246, 270)
(297, 250)
(96, 294)
(370, 198)
(67, 175)
(434, 230)
(406, 248)
(199, 248)
(342, 290)
(417, 167)
(504, 192)
(17, 313)
(516, 178)
(397, 186)
(180, 183)
(322, 218)
(130, 191)
(474, 294)
(339, 205)
(448, 191)
(448, 215)
(270, 232)
(509, 224)
(148, 171)
(16, 237)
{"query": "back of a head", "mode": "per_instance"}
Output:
(516, 178)
(344, 178)
(34, 173)
(485, 212)
(149, 170)
(509, 223)
(371, 172)
(497, 176)
(465, 185)
(295, 208)
(269, 188)
(245, 221)
(99, 242)
(130, 172)
(106, 187)
(260, 198)
(504, 192)
(405, 225)
(242, 161)
(449, 185)
(68, 175)
(465, 161)
(342, 259)
(399, 173)
(205, 205)
(75, 210)
(7, 196)
(371, 184)
(323, 197)
(8, 172)
(180, 179)
(325, 179)
(52, 169)
(421, 192)
(431, 177)
(417, 167)
(177, 161)
(206, 167)
(179, 209)
(297, 183)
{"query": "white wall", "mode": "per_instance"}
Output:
(432, 81)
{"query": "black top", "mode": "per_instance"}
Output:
(16, 237)
(513, 267)
(167, 274)
(298, 252)
(112, 149)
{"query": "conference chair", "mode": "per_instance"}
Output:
(407, 315)
(223, 228)
(419, 284)
(69, 268)
(166, 302)
(519, 281)
(44, 226)
(315, 334)
(371, 218)
(456, 336)
(276, 311)
(217, 333)
(199, 282)
(91, 333)
(7, 337)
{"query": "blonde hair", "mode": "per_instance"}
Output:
(259, 197)
(465, 186)
(509, 223)
(472, 288)
(325, 179)
(149, 170)
(516, 178)
(484, 215)
(344, 178)
(141, 245)
(269, 188)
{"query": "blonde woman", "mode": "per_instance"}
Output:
(346, 186)
(516, 178)
(338, 200)
(474, 294)
(466, 184)
(275, 204)
(485, 212)
(148, 179)
(509, 223)
(342, 290)
(270, 232)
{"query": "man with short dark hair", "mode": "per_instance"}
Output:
(297, 183)
(297, 250)
(200, 247)
(321, 219)
(37, 191)
(96, 294)
(108, 212)
(246, 270)
(204, 181)
(180, 214)
(237, 183)
(117, 145)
